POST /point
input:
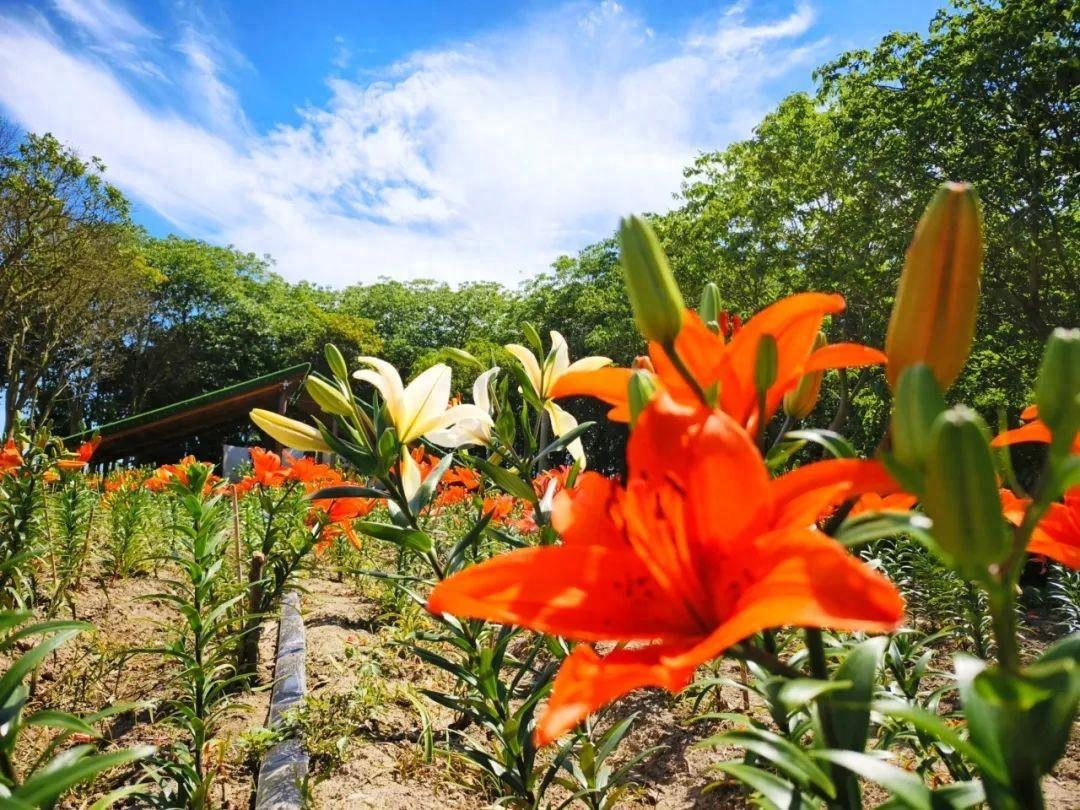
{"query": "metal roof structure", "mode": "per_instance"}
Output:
(160, 434)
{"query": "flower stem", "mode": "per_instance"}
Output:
(773, 663)
(847, 793)
(684, 370)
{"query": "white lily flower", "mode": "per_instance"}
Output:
(543, 377)
(421, 408)
(470, 431)
(563, 422)
(411, 479)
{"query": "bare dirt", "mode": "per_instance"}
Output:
(362, 722)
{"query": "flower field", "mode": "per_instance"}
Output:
(749, 612)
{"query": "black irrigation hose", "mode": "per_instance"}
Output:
(284, 767)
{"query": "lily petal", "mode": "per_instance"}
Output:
(425, 401)
(794, 323)
(586, 682)
(528, 362)
(843, 355)
(388, 383)
(802, 579)
(411, 479)
(1058, 533)
(588, 593)
(481, 392)
(804, 495)
(605, 384)
(557, 362)
(1031, 432)
(587, 364)
(456, 415)
(562, 423)
(588, 514)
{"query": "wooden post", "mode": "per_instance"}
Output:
(236, 536)
(249, 643)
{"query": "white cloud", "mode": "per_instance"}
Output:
(485, 159)
(213, 100)
(103, 21)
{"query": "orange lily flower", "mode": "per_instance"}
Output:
(463, 476)
(82, 455)
(448, 496)
(313, 474)
(544, 479)
(266, 468)
(1058, 534)
(729, 364)
(526, 524)
(337, 516)
(875, 502)
(10, 457)
(699, 551)
(499, 507)
(1034, 431)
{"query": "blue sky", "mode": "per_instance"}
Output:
(441, 139)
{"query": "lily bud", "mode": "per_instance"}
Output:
(961, 496)
(800, 400)
(327, 396)
(642, 387)
(765, 364)
(1058, 388)
(289, 432)
(710, 307)
(336, 362)
(657, 303)
(533, 337)
(918, 404)
(933, 318)
(463, 357)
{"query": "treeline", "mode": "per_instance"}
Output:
(101, 320)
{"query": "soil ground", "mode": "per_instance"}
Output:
(361, 721)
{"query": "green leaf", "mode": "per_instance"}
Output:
(361, 459)
(796, 693)
(563, 441)
(931, 724)
(870, 526)
(407, 538)
(785, 755)
(779, 793)
(507, 481)
(850, 708)
(904, 787)
(830, 440)
(29, 661)
(72, 768)
(422, 497)
(51, 718)
(781, 454)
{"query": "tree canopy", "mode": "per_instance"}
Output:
(823, 195)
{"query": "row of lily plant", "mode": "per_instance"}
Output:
(725, 539)
(226, 552)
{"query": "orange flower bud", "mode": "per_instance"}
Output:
(933, 318)
(800, 400)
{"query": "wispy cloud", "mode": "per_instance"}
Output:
(103, 21)
(483, 159)
(114, 33)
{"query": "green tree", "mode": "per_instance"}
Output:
(71, 278)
